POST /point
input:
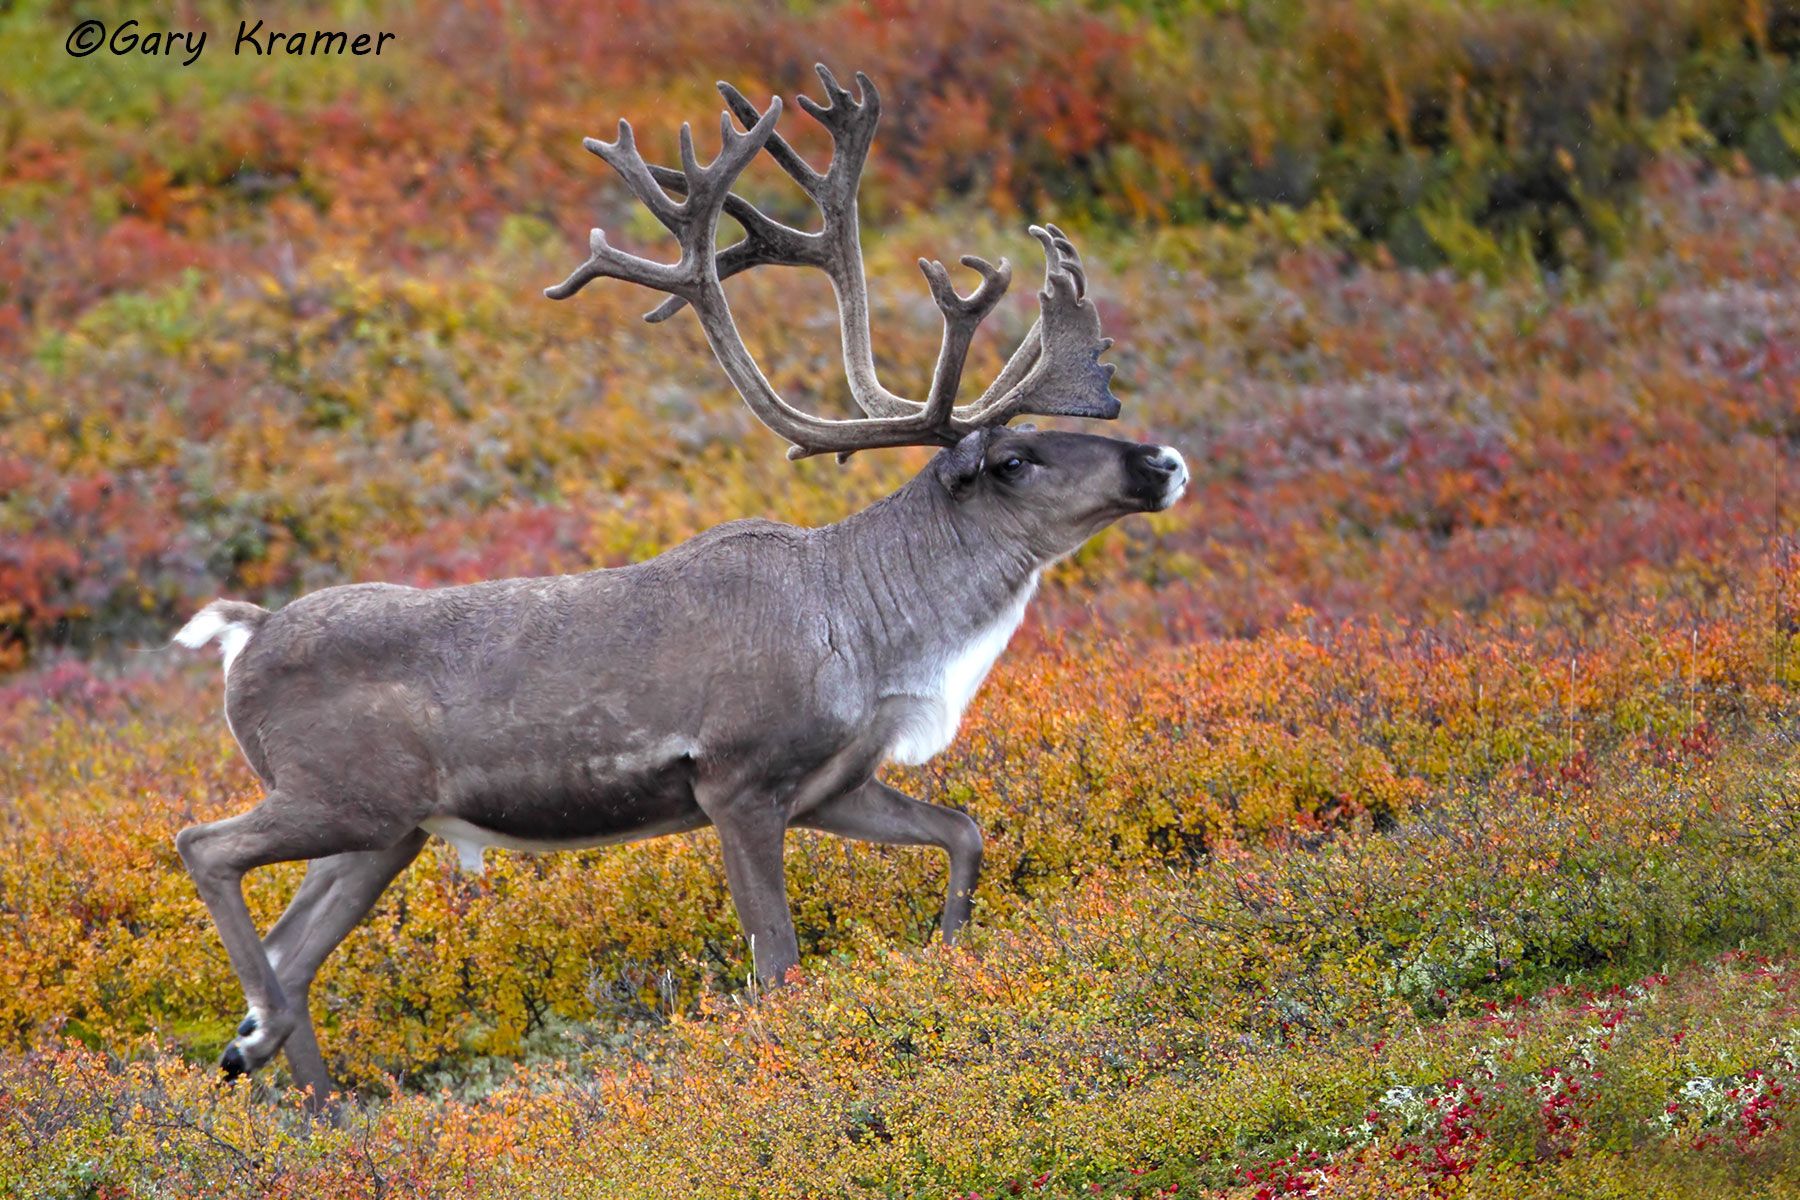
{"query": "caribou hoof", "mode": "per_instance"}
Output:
(259, 1037)
(232, 1064)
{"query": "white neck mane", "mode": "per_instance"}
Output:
(953, 682)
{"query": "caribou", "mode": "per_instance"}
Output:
(754, 679)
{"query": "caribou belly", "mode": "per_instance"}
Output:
(469, 840)
(931, 724)
(538, 801)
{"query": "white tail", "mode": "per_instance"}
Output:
(231, 623)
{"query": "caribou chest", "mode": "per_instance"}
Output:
(951, 679)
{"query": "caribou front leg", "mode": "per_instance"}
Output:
(753, 821)
(752, 836)
(876, 812)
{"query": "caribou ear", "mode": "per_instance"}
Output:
(958, 466)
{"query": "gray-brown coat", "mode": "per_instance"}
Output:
(754, 678)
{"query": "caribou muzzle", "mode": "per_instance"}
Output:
(1158, 475)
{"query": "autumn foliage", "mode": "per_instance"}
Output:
(1413, 810)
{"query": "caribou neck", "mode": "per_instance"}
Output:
(915, 577)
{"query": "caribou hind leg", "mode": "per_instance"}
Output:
(283, 828)
(302, 1046)
(876, 812)
(335, 896)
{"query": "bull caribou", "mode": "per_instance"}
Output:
(753, 679)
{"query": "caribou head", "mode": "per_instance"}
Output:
(753, 679)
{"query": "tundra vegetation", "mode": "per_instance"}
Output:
(1413, 809)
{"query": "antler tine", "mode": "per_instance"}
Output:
(851, 122)
(962, 314)
(784, 154)
(1063, 375)
(692, 220)
(1061, 251)
(836, 249)
(622, 155)
(767, 242)
(605, 260)
(709, 187)
(1057, 244)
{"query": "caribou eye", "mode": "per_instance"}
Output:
(1012, 464)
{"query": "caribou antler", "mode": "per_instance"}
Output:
(1054, 372)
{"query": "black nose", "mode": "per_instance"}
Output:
(1158, 461)
(1159, 476)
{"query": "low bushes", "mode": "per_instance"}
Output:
(1478, 995)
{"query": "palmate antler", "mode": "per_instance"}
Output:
(1055, 371)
